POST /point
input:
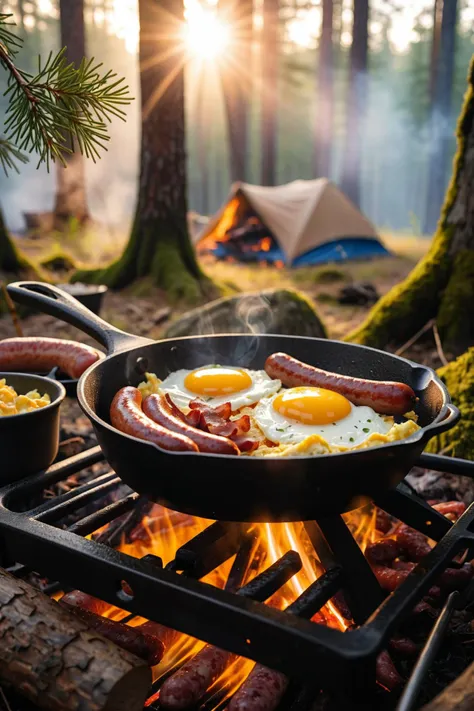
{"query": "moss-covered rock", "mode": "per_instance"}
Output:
(458, 377)
(284, 311)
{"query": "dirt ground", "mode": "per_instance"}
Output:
(140, 310)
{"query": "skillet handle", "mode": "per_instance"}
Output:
(56, 302)
(449, 421)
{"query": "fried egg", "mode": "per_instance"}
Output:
(215, 385)
(293, 415)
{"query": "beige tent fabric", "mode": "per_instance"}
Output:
(301, 215)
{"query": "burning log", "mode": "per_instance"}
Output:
(55, 661)
(458, 696)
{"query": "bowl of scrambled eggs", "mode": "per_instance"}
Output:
(29, 424)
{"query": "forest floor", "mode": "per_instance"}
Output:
(137, 309)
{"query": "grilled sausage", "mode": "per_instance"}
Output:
(386, 397)
(189, 684)
(261, 691)
(43, 354)
(76, 598)
(88, 603)
(384, 551)
(157, 409)
(127, 416)
(404, 646)
(388, 578)
(453, 508)
(455, 578)
(413, 543)
(142, 645)
(386, 672)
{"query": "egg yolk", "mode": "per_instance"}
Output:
(217, 381)
(312, 406)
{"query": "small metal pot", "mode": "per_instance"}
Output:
(29, 441)
(90, 296)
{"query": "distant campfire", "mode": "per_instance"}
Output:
(241, 236)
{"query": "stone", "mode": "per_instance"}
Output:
(358, 294)
(283, 311)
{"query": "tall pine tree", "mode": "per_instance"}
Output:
(160, 246)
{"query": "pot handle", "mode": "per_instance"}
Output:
(449, 421)
(56, 302)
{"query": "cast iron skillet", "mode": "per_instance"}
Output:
(233, 488)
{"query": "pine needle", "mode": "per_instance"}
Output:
(58, 107)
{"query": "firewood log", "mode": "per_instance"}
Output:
(458, 696)
(50, 656)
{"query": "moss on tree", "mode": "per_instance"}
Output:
(441, 285)
(161, 260)
(458, 377)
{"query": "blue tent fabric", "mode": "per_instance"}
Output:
(342, 250)
(339, 250)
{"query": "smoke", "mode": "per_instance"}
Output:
(248, 314)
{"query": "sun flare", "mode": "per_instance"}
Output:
(206, 36)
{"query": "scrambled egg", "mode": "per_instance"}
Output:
(314, 444)
(13, 404)
(150, 386)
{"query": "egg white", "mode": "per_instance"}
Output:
(262, 387)
(349, 432)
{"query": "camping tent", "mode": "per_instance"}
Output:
(303, 222)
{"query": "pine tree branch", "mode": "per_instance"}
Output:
(10, 156)
(59, 107)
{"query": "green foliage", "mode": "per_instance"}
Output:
(455, 318)
(58, 105)
(458, 377)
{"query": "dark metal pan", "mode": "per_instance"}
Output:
(233, 488)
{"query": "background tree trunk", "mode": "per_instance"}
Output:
(440, 115)
(435, 43)
(202, 148)
(159, 245)
(70, 199)
(9, 260)
(269, 93)
(356, 101)
(442, 285)
(236, 77)
(324, 108)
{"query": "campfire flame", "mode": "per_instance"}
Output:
(161, 532)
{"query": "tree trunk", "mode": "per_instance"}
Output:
(236, 82)
(325, 108)
(202, 124)
(159, 245)
(70, 199)
(442, 285)
(9, 260)
(440, 113)
(269, 92)
(434, 59)
(356, 101)
(50, 656)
